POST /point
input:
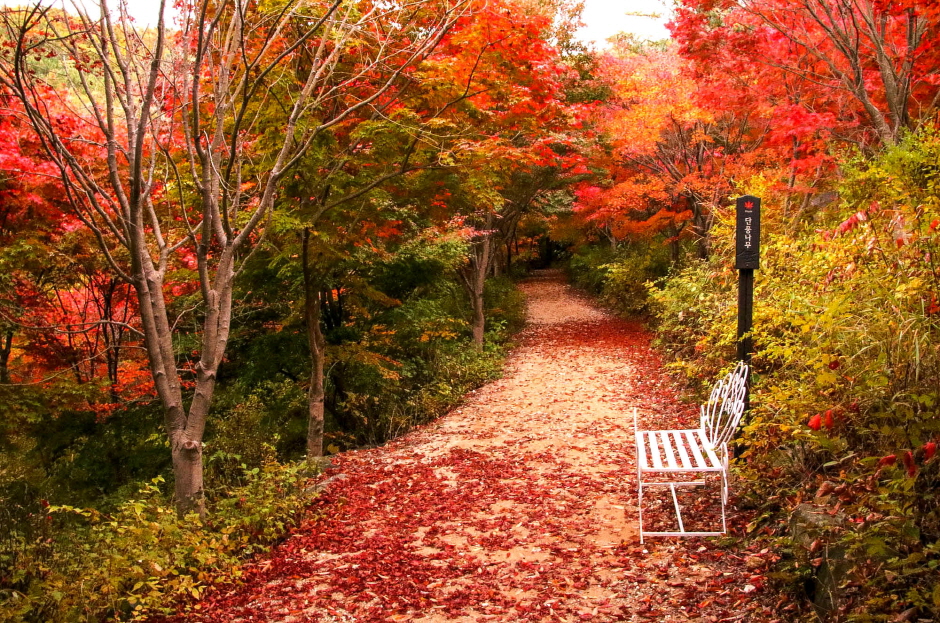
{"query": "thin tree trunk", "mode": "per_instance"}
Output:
(675, 249)
(509, 255)
(112, 338)
(700, 226)
(473, 277)
(478, 320)
(315, 394)
(611, 238)
(791, 182)
(6, 347)
(317, 343)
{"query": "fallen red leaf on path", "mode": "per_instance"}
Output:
(519, 505)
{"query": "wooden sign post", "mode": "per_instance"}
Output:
(747, 260)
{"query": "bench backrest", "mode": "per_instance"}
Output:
(722, 413)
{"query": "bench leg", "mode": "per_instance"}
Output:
(724, 499)
(675, 502)
(639, 480)
(724, 487)
(640, 489)
(639, 470)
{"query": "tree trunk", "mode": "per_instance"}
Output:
(700, 225)
(187, 475)
(509, 256)
(112, 338)
(675, 250)
(473, 277)
(6, 347)
(317, 343)
(185, 427)
(184, 451)
(609, 234)
(478, 319)
(315, 394)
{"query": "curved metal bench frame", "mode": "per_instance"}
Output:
(668, 453)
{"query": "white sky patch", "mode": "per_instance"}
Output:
(144, 12)
(606, 18)
(602, 18)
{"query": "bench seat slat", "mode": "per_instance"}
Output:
(709, 451)
(654, 450)
(679, 441)
(668, 450)
(693, 443)
(641, 459)
(690, 454)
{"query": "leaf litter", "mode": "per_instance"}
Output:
(520, 505)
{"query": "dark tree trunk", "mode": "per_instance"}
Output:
(478, 319)
(317, 343)
(473, 277)
(701, 226)
(113, 336)
(6, 347)
(508, 255)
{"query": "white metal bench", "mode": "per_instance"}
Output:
(669, 456)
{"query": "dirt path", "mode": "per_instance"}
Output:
(518, 506)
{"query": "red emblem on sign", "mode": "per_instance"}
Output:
(749, 205)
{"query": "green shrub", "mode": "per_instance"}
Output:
(618, 277)
(505, 309)
(71, 564)
(587, 267)
(419, 364)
